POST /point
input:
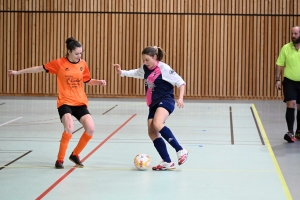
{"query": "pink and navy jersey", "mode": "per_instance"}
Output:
(159, 82)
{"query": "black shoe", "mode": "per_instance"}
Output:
(59, 164)
(76, 160)
(289, 137)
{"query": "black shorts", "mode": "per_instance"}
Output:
(165, 104)
(76, 111)
(291, 90)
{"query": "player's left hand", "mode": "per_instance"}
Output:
(180, 103)
(11, 73)
(102, 82)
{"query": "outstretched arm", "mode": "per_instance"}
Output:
(118, 68)
(96, 82)
(135, 73)
(30, 70)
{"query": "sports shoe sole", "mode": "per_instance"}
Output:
(77, 165)
(288, 138)
(163, 169)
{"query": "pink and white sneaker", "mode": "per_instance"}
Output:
(164, 166)
(182, 156)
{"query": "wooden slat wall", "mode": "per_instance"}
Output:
(222, 49)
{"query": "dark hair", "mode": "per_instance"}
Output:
(152, 51)
(72, 44)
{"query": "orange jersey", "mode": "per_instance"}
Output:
(70, 79)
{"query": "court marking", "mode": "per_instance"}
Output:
(273, 157)
(113, 168)
(10, 121)
(12, 151)
(231, 125)
(77, 130)
(109, 110)
(15, 160)
(259, 133)
(86, 157)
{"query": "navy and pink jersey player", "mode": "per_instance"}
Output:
(160, 80)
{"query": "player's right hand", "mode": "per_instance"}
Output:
(11, 73)
(278, 85)
(118, 68)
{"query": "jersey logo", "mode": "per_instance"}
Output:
(67, 69)
(150, 85)
(172, 72)
(81, 68)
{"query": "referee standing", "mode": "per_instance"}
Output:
(289, 59)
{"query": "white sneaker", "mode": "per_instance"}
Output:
(182, 156)
(164, 166)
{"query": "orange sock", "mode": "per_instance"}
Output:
(82, 143)
(65, 138)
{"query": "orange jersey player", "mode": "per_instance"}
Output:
(71, 72)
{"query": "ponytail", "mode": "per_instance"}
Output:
(152, 51)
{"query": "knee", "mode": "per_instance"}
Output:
(157, 125)
(68, 124)
(69, 128)
(88, 124)
(153, 135)
(291, 104)
(90, 130)
(151, 132)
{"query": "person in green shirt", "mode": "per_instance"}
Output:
(289, 60)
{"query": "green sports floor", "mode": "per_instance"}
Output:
(236, 150)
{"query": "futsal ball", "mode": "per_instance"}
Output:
(142, 162)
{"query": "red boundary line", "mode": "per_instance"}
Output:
(86, 157)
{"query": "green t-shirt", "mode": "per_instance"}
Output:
(289, 58)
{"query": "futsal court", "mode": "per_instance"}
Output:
(230, 155)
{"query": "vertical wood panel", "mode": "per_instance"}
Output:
(225, 54)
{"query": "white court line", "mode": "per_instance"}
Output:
(10, 121)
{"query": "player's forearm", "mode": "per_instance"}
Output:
(93, 82)
(181, 91)
(134, 73)
(278, 72)
(35, 69)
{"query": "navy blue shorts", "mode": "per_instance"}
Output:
(164, 104)
(291, 90)
(76, 111)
